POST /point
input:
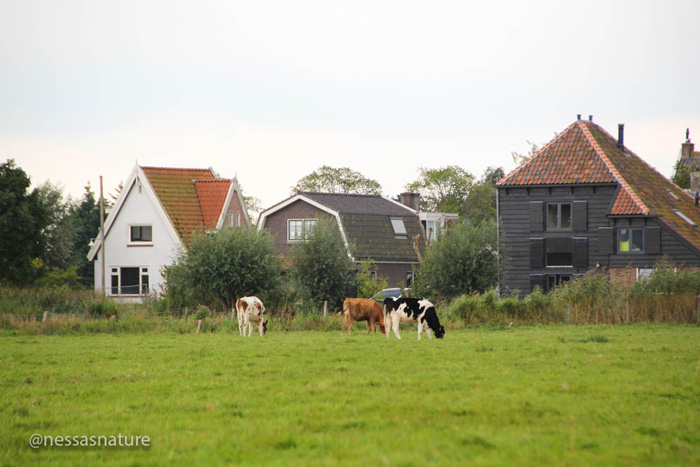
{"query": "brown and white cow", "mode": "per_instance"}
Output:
(411, 310)
(251, 310)
(362, 309)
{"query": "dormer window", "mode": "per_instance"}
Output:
(399, 227)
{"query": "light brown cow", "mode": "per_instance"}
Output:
(362, 309)
(251, 310)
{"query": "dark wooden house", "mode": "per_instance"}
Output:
(373, 227)
(587, 202)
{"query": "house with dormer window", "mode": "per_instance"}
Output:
(158, 211)
(586, 202)
(373, 227)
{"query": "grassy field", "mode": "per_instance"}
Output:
(554, 395)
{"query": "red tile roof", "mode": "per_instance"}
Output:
(189, 197)
(212, 196)
(584, 153)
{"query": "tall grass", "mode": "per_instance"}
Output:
(670, 295)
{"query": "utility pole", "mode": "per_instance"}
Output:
(102, 234)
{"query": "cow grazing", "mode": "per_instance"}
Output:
(411, 310)
(251, 310)
(362, 309)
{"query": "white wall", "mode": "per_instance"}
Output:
(138, 208)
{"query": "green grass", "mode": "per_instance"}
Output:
(555, 395)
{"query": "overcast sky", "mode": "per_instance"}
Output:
(272, 90)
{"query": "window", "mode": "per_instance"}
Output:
(431, 230)
(238, 219)
(129, 281)
(141, 233)
(559, 252)
(556, 280)
(558, 216)
(630, 240)
(410, 277)
(299, 229)
(399, 227)
(685, 218)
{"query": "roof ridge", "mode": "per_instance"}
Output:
(611, 167)
(175, 168)
(336, 194)
(524, 163)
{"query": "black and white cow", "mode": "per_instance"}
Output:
(411, 310)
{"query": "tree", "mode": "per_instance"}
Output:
(443, 190)
(321, 265)
(343, 180)
(480, 204)
(462, 260)
(369, 284)
(85, 220)
(58, 233)
(228, 264)
(519, 158)
(22, 219)
(681, 175)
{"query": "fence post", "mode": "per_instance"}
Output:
(46, 316)
(627, 312)
(568, 313)
(325, 308)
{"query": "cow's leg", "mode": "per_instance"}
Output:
(395, 325)
(260, 326)
(350, 321)
(370, 322)
(427, 329)
(345, 317)
(420, 328)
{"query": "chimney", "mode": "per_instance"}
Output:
(621, 135)
(687, 148)
(412, 200)
(590, 118)
(578, 116)
(695, 182)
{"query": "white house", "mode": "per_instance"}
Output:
(435, 223)
(154, 217)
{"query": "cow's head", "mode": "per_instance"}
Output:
(440, 332)
(382, 328)
(265, 327)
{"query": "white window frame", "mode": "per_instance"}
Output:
(144, 286)
(132, 242)
(399, 227)
(307, 226)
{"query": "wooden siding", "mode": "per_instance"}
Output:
(517, 229)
